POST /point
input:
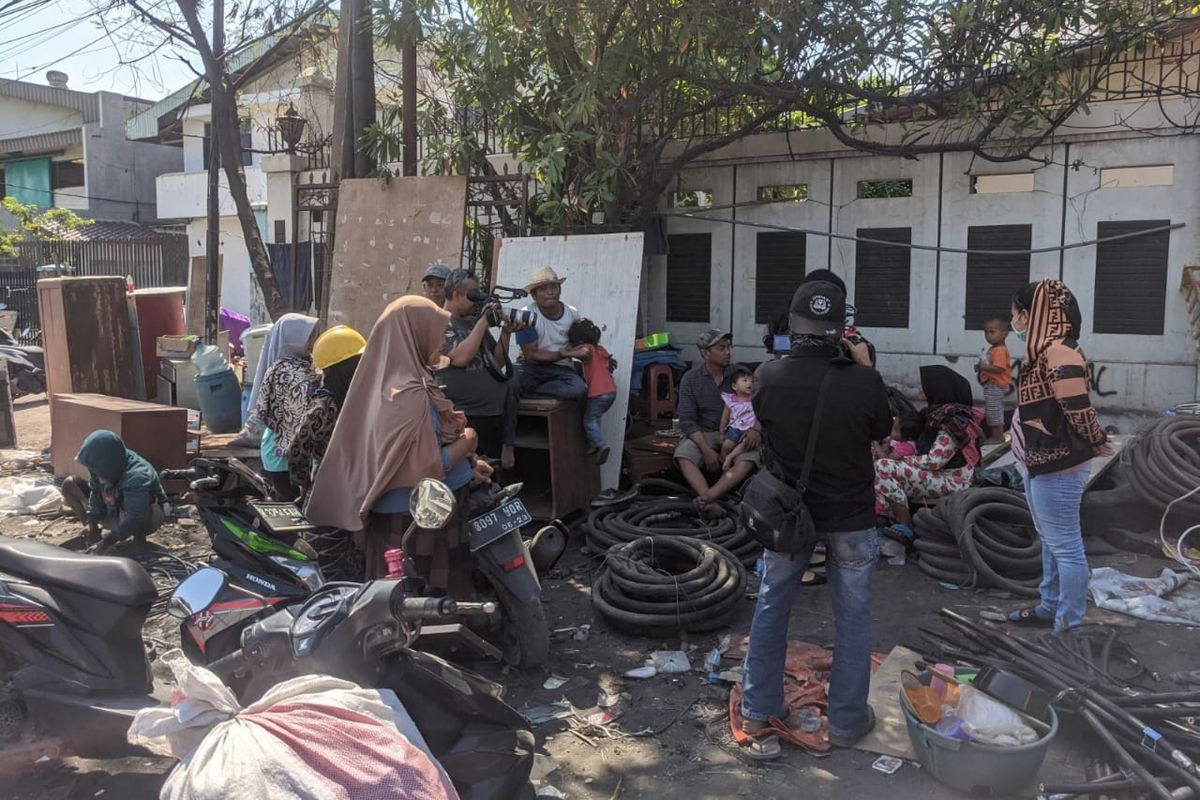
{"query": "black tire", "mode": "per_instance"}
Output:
(524, 637)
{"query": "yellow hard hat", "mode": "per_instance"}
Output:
(336, 345)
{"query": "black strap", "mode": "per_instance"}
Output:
(811, 450)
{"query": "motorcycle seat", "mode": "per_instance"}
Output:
(117, 580)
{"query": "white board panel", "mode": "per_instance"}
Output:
(603, 279)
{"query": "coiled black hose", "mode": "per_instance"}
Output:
(660, 583)
(981, 537)
(663, 508)
(1164, 464)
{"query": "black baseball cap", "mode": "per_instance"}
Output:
(818, 309)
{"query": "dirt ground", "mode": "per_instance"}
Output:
(688, 751)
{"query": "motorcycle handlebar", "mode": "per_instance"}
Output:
(206, 483)
(228, 665)
(177, 474)
(422, 608)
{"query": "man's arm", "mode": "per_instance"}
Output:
(881, 418)
(686, 408)
(724, 420)
(462, 354)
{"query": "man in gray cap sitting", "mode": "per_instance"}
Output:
(699, 409)
(434, 282)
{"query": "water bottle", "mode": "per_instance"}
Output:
(809, 719)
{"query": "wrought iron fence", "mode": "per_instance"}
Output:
(150, 263)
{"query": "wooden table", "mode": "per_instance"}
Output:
(650, 455)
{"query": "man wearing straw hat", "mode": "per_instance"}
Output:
(546, 354)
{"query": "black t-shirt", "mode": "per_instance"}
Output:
(841, 495)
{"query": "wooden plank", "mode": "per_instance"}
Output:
(197, 293)
(387, 234)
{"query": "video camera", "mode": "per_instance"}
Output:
(502, 294)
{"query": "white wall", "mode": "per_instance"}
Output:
(20, 118)
(1133, 371)
(236, 275)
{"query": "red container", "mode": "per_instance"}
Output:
(160, 313)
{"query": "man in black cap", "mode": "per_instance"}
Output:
(700, 408)
(778, 338)
(841, 499)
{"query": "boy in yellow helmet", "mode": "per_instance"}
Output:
(336, 354)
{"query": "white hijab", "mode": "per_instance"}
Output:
(288, 337)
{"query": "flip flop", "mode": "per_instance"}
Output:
(813, 578)
(765, 748)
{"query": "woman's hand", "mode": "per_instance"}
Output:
(483, 471)
(1104, 451)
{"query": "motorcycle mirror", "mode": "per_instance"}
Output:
(196, 593)
(431, 503)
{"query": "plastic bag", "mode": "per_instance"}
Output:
(28, 496)
(312, 737)
(989, 721)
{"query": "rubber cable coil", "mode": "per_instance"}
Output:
(663, 508)
(982, 537)
(660, 583)
(1164, 464)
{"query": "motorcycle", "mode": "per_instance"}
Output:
(26, 366)
(260, 547)
(366, 633)
(73, 662)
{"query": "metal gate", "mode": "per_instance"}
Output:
(314, 203)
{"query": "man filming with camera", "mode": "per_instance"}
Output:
(546, 352)
(476, 380)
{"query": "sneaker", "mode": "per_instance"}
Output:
(849, 741)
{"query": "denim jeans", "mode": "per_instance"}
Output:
(553, 380)
(596, 406)
(850, 566)
(1054, 503)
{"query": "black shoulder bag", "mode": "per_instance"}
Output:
(773, 510)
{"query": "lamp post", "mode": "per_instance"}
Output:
(291, 127)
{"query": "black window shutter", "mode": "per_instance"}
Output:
(993, 279)
(882, 278)
(689, 276)
(1131, 278)
(779, 268)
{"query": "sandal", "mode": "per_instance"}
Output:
(900, 533)
(813, 578)
(762, 747)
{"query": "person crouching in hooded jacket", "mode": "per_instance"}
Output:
(123, 496)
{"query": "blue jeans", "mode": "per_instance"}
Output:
(851, 564)
(553, 380)
(596, 406)
(1054, 503)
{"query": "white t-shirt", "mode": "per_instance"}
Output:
(550, 334)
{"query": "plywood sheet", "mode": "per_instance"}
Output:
(603, 279)
(197, 292)
(890, 736)
(386, 235)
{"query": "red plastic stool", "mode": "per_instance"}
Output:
(658, 404)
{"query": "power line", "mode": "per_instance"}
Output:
(65, 193)
(929, 247)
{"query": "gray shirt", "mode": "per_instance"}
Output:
(700, 405)
(472, 388)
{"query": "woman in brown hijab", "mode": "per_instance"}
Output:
(395, 428)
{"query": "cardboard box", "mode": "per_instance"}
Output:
(176, 346)
(157, 433)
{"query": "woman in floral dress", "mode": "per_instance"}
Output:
(947, 451)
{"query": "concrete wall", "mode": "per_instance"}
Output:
(1065, 205)
(22, 118)
(121, 174)
(236, 276)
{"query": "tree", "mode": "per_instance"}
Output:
(179, 25)
(608, 100)
(42, 225)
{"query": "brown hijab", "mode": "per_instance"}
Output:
(384, 437)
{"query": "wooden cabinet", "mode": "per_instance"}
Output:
(550, 460)
(87, 337)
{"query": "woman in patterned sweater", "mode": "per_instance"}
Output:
(1059, 432)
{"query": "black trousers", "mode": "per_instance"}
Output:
(282, 488)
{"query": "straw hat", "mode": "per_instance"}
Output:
(542, 276)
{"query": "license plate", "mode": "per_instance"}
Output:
(487, 528)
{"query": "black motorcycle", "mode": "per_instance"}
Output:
(368, 634)
(260, 547)
(26, 366)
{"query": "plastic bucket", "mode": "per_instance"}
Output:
(220, 401)
(253, 341)
(979, 770)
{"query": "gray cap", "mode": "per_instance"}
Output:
(436, 270)
(711, 336)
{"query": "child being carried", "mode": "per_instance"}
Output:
(738, 416)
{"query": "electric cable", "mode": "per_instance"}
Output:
(668, 583)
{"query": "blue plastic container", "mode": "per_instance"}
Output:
(220, 401)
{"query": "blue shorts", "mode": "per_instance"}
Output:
(732, 434)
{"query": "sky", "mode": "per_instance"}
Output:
(67, 35)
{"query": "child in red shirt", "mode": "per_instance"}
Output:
(598, 365)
